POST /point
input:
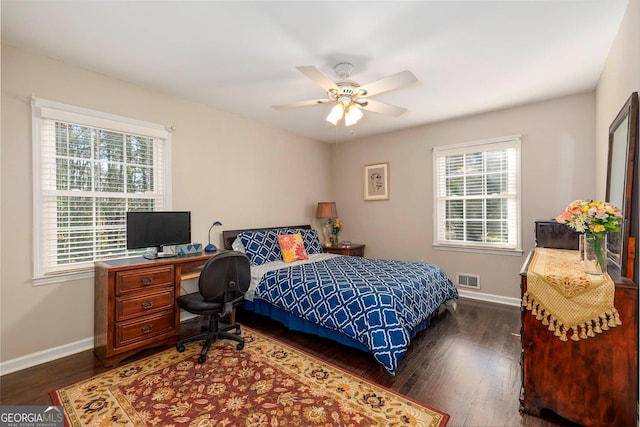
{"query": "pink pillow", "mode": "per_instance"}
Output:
(292, 247)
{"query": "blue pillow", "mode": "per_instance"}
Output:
(262, 246)
(311, 241)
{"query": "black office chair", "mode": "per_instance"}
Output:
(223, 281)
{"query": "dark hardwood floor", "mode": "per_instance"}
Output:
(466, 364)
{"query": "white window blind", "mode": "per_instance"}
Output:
(90, 168)
(477, 195)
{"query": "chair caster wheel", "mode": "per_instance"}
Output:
(180, 348)
(201, 359)
(240, 346)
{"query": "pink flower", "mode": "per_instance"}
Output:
(597, 217)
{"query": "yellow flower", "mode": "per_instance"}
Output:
(593, 216)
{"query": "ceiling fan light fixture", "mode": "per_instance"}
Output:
(348, 98)
(352, 115)
(336, 114)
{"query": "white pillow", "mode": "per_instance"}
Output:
(237, 245)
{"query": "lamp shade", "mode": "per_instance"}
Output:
(335, 114)
(352, 116)
(327, 210)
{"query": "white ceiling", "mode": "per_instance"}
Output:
(468, 56)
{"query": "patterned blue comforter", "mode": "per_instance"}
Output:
(376, 302)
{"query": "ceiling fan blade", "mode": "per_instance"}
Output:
(383, 108)
(301, 104)
(392, 82)
(314, 74)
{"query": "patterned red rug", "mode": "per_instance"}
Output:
(268, 383)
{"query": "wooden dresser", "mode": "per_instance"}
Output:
(135, 303)
(592, 382)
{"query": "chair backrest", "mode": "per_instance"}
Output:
(225, 276)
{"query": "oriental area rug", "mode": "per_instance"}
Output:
(268, 383)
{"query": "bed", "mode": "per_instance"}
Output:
(374, 305)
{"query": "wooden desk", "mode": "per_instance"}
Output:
(135, 303)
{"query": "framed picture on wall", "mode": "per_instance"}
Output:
(376, 181)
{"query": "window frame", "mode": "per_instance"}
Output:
(512, 141)
(94, 119)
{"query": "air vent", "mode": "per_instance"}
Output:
(468, 280)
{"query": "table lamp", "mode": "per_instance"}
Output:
(327, 211)
(211, 247)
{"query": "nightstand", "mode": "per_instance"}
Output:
(354, 249)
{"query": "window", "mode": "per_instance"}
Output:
(89, 169)
(477, 196)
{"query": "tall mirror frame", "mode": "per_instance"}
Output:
(623, 140)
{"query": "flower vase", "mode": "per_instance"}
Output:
(594, 253)
(337, 241)
(326, 230)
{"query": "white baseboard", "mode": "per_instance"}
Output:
(33, 359)
(29, 360)
(516, 302)
(44, 356)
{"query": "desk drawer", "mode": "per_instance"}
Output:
(127, 308)
(135, 280)
(142, 329)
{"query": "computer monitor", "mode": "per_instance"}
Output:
(155, 229)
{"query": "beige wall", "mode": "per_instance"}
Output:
(225, 168)
(564, 157)
(620, 77)
(557, 168)
(247, 174)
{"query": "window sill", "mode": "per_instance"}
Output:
(490, 251)
(52, 279)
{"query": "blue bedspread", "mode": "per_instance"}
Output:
(375, 302)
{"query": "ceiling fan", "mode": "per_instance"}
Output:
(349, 97)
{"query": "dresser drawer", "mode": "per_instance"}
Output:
(135, 280)
(144, 328)
(129, 307)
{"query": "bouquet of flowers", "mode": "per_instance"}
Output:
(591, 217)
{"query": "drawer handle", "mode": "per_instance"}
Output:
(147, 328)
(147, 304)
(147, 281)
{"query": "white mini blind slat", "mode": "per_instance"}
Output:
(104, 121)
(90, 171)
(474, 146)
(476, 192)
